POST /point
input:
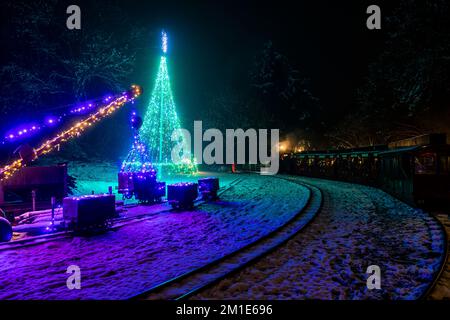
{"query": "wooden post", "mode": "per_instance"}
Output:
(2, 197)
(33, 200)
(53, 212)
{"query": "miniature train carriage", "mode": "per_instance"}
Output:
(142, 185)
(126, 185)
(208, 187)
(147, 189)
(91, 212)
(182, 195)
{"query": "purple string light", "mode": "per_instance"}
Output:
(25, 131)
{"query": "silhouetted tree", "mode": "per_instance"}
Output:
(283, 96)
(407, 88)
(47, 64)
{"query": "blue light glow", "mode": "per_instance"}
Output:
(164, 41)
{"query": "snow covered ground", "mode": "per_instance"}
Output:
(358, 226)
(137, 256)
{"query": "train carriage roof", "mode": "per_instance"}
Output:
(355, 152)
(431, 142)
(402, 150)
(414, 149)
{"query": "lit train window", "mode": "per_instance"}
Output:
(425, 164)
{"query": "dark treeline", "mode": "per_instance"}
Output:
(404, 91)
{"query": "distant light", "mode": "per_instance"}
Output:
(50, 120)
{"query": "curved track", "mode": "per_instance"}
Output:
(440, 282)
(199, 279)
(357, 226)
(426, 293)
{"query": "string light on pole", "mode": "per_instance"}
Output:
(74, 131)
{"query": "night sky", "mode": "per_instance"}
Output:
(212, 45)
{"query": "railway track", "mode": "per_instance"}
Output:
(445, 260)
(194, 281)
(445, 257)
(259, 273)
(427, 293)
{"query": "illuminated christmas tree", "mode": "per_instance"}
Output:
(161, 120)
(138, 160)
